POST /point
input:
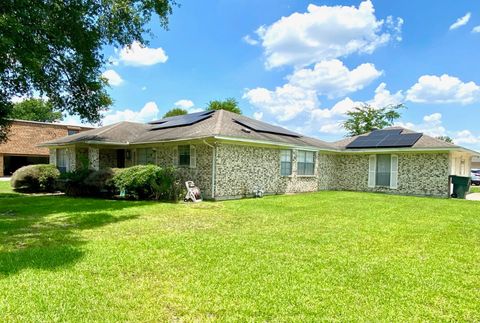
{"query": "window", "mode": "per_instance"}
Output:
(383, 170)
(72, 132)
(305, 162)
(184, 155)
(286, 162)
(62, 160)
(145, 156)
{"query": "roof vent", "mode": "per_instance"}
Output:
(246, 130)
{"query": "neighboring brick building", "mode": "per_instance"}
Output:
(22, 146)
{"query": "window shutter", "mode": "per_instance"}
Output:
(394, 172)
(175, 156)
(372, 169)
(193, 156)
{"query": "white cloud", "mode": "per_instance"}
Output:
(258, 115)
(148, 113)
(325, 32)
(333, 78)
(187, 105)
(466, 137)
(138, 55)
(431, 125)
(384, 97)
(184, 104)
(249, 40)
(285, 102)
(335, 128)
(476, 29)
(144, 88)
(112, 77)
(461, 21)
(443, 89)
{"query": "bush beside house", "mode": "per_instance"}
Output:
(35, 178)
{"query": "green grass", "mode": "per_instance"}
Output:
(474, 189)
(328, 255)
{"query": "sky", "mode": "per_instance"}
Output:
(304, 64)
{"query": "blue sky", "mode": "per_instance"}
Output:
(303, 64)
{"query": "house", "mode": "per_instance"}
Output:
(476, 162)
(22, 148)
(231, 156)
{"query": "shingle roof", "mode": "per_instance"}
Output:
(425, 141)
(221, 123)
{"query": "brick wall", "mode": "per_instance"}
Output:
(24, 137)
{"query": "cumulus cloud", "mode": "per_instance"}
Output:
(333, 79)
(148, 113)
(112, 77)
(384, 97)
(476, 29)
(187, 105)
(431, 125)
(326, 32)
(249, 40)
(258, 115)
(285, 102)
(462, 21)
(138, 55)
(300, 94)
(466, 137)
(443, 89)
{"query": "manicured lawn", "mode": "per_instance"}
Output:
(328, 255)
(474, 189)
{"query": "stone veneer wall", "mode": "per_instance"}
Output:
(107, 158)
(243, 169)
(201, 174)
(418, 174)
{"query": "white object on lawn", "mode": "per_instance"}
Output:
(193, 192)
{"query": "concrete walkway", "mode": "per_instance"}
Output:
(4, 179)
(473, 197)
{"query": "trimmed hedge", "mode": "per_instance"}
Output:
(35, 178)
(86, 182)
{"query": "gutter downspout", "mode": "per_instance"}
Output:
(214, 166)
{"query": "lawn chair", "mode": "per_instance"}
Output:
(193, 192)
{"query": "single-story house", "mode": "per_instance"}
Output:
(476, 162)
(22, 148)
(232, 156)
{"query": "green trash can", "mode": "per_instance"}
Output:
(461, 186)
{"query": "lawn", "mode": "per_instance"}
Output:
(327, 255)
(474, 189)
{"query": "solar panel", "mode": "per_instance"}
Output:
(180, 121)
(385, 139)
(265, 127)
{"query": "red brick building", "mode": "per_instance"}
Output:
(21, 148)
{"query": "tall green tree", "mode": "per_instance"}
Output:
(35, 110)
(229, 104)
(175, 112)
(54, 48)
(366, 118)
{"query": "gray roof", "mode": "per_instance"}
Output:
(220, 124)
(425, 141)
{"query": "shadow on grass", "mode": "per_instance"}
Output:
(44, 232)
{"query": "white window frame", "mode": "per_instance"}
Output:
(62, 162)
(305, 152)
(192, 156)
(372, 172)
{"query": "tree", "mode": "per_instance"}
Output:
(229, 104)
(35, 110)
(446, 139)
(54, 49)
(175, 112)
(366, 118)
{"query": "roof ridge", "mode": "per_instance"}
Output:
(218, 123)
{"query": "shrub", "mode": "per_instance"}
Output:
(35, 178)
(87, 182)
(147, 182)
